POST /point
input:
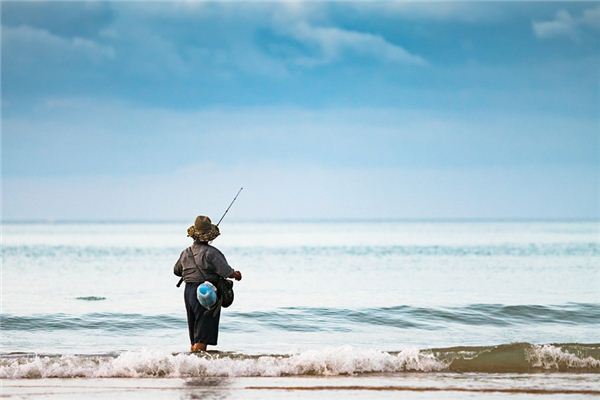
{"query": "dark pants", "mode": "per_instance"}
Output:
(203, 326)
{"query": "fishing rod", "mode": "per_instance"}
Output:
(221, 219)
(230, 204)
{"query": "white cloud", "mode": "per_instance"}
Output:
(149, 46)
(334, 42)
(31, 40)
(566, 25)
(562, 25)
(591, 17)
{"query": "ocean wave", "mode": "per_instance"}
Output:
(322, 319)
(115, 322)
(517, 357)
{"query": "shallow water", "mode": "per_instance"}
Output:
(346, 295)
(382, 386)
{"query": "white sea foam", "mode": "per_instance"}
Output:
(328, 362)
(323, 362)
(554, 358)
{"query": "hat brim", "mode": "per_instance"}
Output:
(204, 236)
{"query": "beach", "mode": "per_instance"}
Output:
(408, 386)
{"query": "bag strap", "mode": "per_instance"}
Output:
(202, 276)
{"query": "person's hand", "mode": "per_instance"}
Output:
(237, 275)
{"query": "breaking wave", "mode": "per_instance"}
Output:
(516, 357)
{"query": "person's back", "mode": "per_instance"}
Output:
(198, 263)
(206, 264)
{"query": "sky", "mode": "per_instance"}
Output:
(321, 110)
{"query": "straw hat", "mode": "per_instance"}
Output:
(203, 229)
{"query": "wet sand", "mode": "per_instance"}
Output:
(408, 386)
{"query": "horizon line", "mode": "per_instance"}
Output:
(299, 220)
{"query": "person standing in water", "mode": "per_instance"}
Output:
(198, 263)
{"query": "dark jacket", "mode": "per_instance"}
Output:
(209, 259)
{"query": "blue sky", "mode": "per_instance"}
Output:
(141, 110)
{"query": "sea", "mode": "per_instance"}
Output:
(368, 308)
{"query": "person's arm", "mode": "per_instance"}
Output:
(222, 268)
(178, 268)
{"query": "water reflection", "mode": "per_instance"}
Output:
(206, 388)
